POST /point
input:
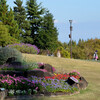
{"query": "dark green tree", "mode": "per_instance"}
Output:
(34, 15)
(21, 18)
(48, 34)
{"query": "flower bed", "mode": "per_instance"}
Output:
(21, 85)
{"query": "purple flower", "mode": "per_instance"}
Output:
(25, 48)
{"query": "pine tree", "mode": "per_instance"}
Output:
(34, 15)
(48, 35)
(20, 13)
(12, 25)
(3, 11)
(20, 17)
(7, 18)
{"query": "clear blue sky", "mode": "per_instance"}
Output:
(84, 13)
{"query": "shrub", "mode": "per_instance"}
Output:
(25, 48)
(75, 74)
(23, 67)
(7, 52)
(18, 83)
(29, 65)
(64, 53)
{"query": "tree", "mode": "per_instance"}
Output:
(12, 25)
(48, 35)
(21, 18)
(34, 15)
(7, 18)
(5, 37)
(3, 11)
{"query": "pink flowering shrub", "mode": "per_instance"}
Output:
(18, 83)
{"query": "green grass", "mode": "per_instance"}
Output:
(88, 69)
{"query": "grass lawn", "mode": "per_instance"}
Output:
(88, 69)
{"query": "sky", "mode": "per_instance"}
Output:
(85, 16)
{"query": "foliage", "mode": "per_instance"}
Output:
(29, 65)
(34, 16)
(64, 52)
(12, 25)
(54, 85)
(21, 18)
(65, 76)
(75, 74)
(85, 49)
(48, 35)
(18, 83)
(3, 11)
(37, 27)
(5, 37)
(25, 48)
(7, 18)
(7, 52)
(24, 67)
(15, 84)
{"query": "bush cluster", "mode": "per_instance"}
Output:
(25, 48)
(7, 52)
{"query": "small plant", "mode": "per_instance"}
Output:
(11, 92)
(25, 48)
(75, 74)
(29, 65)
(6, 52)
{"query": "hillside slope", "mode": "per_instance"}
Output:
(89, 69)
